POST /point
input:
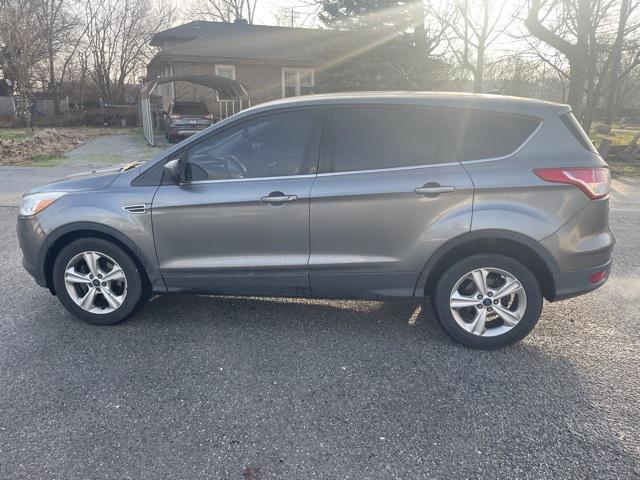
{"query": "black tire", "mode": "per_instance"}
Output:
(442, 293)
(135, 291)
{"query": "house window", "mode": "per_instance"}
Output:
(297, 81)
(227, 71)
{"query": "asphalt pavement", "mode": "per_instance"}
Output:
(198, 387)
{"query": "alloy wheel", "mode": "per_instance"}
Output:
(95, 282)
(488, 302)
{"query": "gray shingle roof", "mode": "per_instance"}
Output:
(269, 44)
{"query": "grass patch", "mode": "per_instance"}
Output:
(624, 169)
(617, 137)
(15, 133)
(45, 160)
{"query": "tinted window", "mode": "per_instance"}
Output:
(576, 130)
(373, 137)
(267, 146)
(478, 134)
(189, 109)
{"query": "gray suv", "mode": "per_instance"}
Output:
(484, 204)
(183, 119)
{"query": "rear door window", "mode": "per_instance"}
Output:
(478, 135)
(370, 138)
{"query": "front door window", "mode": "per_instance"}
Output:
(272, 145)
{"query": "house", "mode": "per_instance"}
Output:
(271, 62)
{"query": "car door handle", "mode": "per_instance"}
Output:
(279, 198)
(434, 190)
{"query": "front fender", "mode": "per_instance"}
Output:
(148, 263)
(102, 213)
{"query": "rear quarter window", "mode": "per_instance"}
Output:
(478, 135)
(576, 130)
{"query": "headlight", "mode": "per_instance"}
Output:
(33, 203)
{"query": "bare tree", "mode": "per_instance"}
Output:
(591, 35)
(628, 86)
(471, 27)
(20, 48)
(118, 34)
(288, 17)
(61, 32)
(222, 10)
(627, 8)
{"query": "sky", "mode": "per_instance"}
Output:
(306, 16)
(266, 10)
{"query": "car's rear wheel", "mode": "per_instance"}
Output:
(487, 301)
(97, 281)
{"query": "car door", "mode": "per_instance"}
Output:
(241, 223)
(390, 191)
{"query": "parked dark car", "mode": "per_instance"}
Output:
(484, 204)
(183, 119)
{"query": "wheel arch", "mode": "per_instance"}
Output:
(62, 236)
(520, 247)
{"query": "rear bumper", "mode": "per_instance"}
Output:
(578, 282)
(583, 250)
(190, 131)
(186, 129)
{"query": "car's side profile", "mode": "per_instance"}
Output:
(485, 204)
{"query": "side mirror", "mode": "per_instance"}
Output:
(175, 170)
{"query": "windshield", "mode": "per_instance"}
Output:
(189, 109)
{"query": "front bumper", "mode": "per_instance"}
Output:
(31, 238)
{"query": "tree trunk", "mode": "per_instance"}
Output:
(576, 87)
(53, 87)
(419, 31)
(587, 119)
(616, 59)
(478, 76)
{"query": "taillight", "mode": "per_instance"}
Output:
(592, 181)
(597, 277)
(208, 117)
(173, 115)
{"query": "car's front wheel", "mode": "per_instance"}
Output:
(487, 301)
(97, 281)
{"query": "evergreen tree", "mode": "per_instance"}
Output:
(398, 51)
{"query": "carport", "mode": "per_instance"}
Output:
(228, 92)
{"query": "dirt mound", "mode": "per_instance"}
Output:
(52, 142)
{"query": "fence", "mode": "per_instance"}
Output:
(226, 108)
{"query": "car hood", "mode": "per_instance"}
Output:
(87, 181)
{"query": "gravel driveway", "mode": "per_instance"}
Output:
(256, 388)
(94, 153)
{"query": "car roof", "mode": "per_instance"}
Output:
(491, 102)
